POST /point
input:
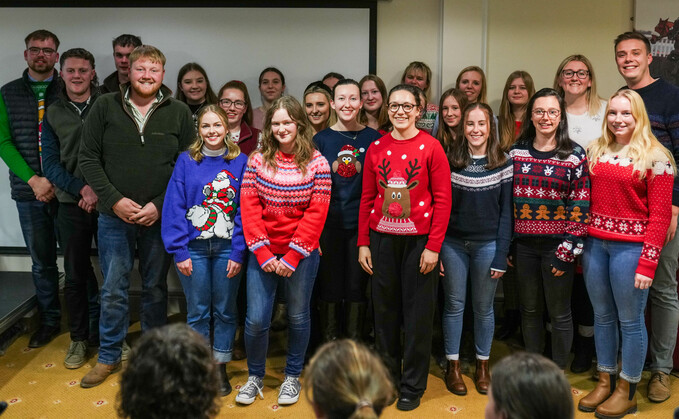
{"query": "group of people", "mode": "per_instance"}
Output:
(309, 200)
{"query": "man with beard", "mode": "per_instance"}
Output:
(122, 47)
(22, 106)
(129, 144)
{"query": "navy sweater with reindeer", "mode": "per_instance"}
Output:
(406, 190)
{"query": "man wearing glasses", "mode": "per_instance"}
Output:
(22, 106)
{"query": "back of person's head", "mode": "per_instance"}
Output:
(529, 386)
(170, 374)
(346, 380)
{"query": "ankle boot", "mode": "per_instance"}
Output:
(622, 401)
(329, 319)
(354, 316)
(510, 325)
(279, 321)
(601, 392)
(239, 344)
(584, 350)
(482, 376)
(454, 382)
(224, 384)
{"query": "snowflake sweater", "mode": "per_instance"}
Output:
(626, 208)
(551, 198)
(203, 201)
(346, 156)
(406, 189)
(284, 212)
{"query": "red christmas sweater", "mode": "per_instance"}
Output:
(406, 189)
(284, 213)
(626, 208)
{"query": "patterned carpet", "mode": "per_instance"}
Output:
(36, 385)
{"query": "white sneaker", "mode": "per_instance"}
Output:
(289, 392)
(248, 393)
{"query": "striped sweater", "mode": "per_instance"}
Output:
(284, 212)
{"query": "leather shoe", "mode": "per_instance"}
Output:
(482, 376)
(98, 374)
(224, 384)
(601, 392)
(659, 387)
(407, 404)
(622, 401)
(454, 382)
(43, 336)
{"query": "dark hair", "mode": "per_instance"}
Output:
(126, 40)
(633, 35)
(210, 97)
(338, 76)
(459, 151)
(170, 373)
(345, 82)
(80, 53)
(275, 70)
(382, 116)
(41, 35)
(239, 85)
(527, 385)
(444, 134)
(319, 84)
(564, 146)
(416, 91)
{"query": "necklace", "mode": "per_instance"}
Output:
(351, 137)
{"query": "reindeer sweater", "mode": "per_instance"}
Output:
(551, 198)
(626, 208)
(406, 190)
(202, 201)
(284, 212)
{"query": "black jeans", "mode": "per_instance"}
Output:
(539, 286)
(340, 276)
(403, 297)
(81, 291)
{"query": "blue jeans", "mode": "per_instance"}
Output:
(117, 241)
(38, 229)
(609, 268)
(261, 294)
(211, 296)
(463, 258)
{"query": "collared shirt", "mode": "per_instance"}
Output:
(138, 117)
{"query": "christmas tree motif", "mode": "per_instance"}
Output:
(526, 211)
(560, 213)
(543, 213)
(576, 214)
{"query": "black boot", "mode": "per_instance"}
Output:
(329, 317)
(584, 350)
(354, 317)
(279, 321)
(224, 384)
(510, 325)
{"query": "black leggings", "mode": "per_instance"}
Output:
(340, 276)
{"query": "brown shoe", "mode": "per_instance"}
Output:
(659, 387)
(98, 374)
(601, 392)
(482, 376)
(622, 401)
(454, 381)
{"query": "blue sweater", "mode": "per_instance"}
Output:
(346, 157)
(482, 207)
(202, 201)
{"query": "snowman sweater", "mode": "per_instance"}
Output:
(626, 208)
(551, 198)
(406, 189)
(284, 212)
(203, 201)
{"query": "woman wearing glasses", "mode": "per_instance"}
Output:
(193, 88)
(403, 216)
(235, 100)
(551, 205)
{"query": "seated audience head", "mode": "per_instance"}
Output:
(346, 380)
(271, 85)
(123, 45)
(193, 85)
(374, 95)
(529, 386)
(235, 100)
(472, 81)
(170, 374)
(317, 99)
(418, 74)
(331, 79)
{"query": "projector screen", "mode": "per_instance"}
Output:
(230, 43)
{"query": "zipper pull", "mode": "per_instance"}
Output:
(142, 138)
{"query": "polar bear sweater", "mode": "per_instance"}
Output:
(284, 212)
(626, 208)
(203, 201)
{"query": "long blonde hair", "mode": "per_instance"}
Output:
(304, 146)
(196, 149)
(643, 145)
(482, 94)
(593, 99)
(506, 117)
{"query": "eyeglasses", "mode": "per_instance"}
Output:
(407, 107)
(47, 51)
(552, 113)
(570, 73)
(226, 103)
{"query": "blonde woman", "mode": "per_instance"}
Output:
(317, 99)
(472, 81)
(418, 74)
(632, 176)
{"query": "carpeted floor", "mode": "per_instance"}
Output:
(36, 385)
